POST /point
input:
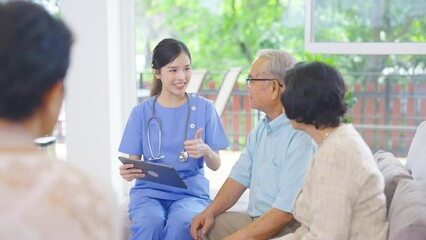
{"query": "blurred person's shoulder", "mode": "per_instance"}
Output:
(42, 193)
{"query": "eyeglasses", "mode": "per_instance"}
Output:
(249, 80)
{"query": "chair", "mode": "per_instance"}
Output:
(197, 79)
(226, 89)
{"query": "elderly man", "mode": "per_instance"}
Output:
(274, 174)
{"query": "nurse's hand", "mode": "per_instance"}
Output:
(197, 148)
(129, 172)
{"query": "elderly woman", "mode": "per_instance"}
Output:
(342, 194)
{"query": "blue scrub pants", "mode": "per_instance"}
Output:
(159, 219)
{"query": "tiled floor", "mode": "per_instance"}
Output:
(218, 177)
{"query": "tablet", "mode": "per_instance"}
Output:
(158, 173)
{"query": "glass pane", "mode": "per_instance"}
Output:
(391, 97)
(51, 5)
(58, 136)
(369, 21)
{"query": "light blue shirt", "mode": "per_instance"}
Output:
(273, 165)
(202, 114)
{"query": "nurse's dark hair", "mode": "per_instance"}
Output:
(34, 55)
(164, 53)
(314, 94)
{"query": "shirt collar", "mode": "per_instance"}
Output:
(277, 123)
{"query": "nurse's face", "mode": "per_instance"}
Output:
(175, 76)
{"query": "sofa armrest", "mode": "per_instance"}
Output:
(407, 214)
(416, 159)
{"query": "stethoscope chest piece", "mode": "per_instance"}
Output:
(183, 156)
(155, 120)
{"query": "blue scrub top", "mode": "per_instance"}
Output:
(202, 114)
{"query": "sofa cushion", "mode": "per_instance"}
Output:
(416, 159)
(392, 171)
(407, 214)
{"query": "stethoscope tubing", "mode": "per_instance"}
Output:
(159, 129)
(155, 120)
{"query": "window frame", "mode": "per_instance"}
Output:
(365, 48)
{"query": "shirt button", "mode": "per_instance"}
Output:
(192, 125)
(194, 95)
(193, 108)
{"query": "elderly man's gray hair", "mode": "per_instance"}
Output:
(278, 62)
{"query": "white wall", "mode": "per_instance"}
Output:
(100, 86)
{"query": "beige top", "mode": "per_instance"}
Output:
(42, 198)
(342, 195)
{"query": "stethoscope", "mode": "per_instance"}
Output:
(155, 120)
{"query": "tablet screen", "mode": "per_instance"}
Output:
(158, 173)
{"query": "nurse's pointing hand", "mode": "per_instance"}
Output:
(197, 148)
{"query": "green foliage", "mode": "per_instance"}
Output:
(350, 99)
(228, 33)
(224, 35)
(318, 57)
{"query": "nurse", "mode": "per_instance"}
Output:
(176, 128)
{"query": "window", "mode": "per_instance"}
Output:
(365, 27)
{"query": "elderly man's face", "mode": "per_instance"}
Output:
(259, 90)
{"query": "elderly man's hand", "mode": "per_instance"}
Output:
(201, 224)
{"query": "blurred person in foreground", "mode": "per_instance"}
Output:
(41, 197)
(342, 194)
(272, 165)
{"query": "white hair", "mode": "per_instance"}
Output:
(278, 62)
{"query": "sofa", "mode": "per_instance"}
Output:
(405, 189)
